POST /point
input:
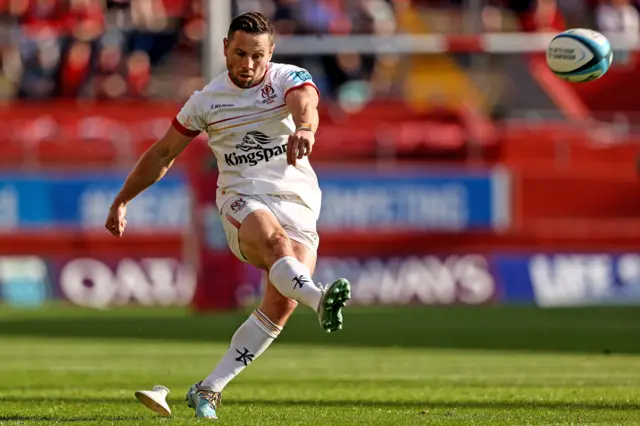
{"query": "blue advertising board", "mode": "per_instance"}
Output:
(569, 279)
(415, 199)
(366, 200)
(82, 200)
(24, 280)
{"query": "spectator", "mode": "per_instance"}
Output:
(109, 77)
(75, 69)
(40, 68)
(622, 18)
(618, 16)
(541, 16)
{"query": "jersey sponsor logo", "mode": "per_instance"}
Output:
(268, 94)
(254, 140)
(300, 76)
(254, 147)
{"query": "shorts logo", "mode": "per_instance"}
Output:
(268, 94)
(238, 205)
(254, 147)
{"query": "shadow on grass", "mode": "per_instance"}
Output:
(70, 419)
(627, 406)
(595, 330)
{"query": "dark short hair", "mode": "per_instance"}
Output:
(251, 23)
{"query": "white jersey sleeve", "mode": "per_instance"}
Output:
(190, 121)
(290, 77)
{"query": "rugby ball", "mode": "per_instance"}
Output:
(579, 55)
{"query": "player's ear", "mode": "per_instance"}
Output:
(225, 41)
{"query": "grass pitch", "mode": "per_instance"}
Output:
(389, 366)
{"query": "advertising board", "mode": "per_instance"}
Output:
(30, 281)
(82, 200)
(570, 279)
(414, 200)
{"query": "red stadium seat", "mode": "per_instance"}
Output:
(88, 154)
(12, 154)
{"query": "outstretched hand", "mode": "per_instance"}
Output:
(116, 221)
(299, 145)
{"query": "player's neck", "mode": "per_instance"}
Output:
(259, 81)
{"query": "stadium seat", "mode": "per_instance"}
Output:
(77, 155)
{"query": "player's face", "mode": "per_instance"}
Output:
(247, 57)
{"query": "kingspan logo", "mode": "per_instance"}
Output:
(255, 151)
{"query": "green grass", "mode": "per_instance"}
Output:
(390, 366)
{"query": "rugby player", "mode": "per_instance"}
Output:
(260, 118)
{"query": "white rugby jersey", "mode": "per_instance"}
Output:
(248, 132)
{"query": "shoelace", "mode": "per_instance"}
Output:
(214, 398)
(323, 290)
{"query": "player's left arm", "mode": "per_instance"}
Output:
(303, 105)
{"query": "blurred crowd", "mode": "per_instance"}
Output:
(105, 49)
(114, 49)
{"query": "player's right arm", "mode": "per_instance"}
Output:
(154, 164)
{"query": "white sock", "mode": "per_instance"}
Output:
(293, 280)
(250, 340)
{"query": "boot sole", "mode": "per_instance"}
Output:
(334, 300)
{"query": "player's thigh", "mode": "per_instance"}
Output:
(262, 239)
(299, 222)
(274, 305)
(239, 215)
(262, 229)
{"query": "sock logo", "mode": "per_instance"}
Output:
(299, 281)
(245, 357)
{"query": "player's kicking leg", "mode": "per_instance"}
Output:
(265, 244)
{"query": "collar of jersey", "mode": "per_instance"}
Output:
(252, 87)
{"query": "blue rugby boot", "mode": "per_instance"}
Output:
(204, 401)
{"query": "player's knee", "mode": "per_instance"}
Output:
(277, 245)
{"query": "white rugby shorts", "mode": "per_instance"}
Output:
(297, 220)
